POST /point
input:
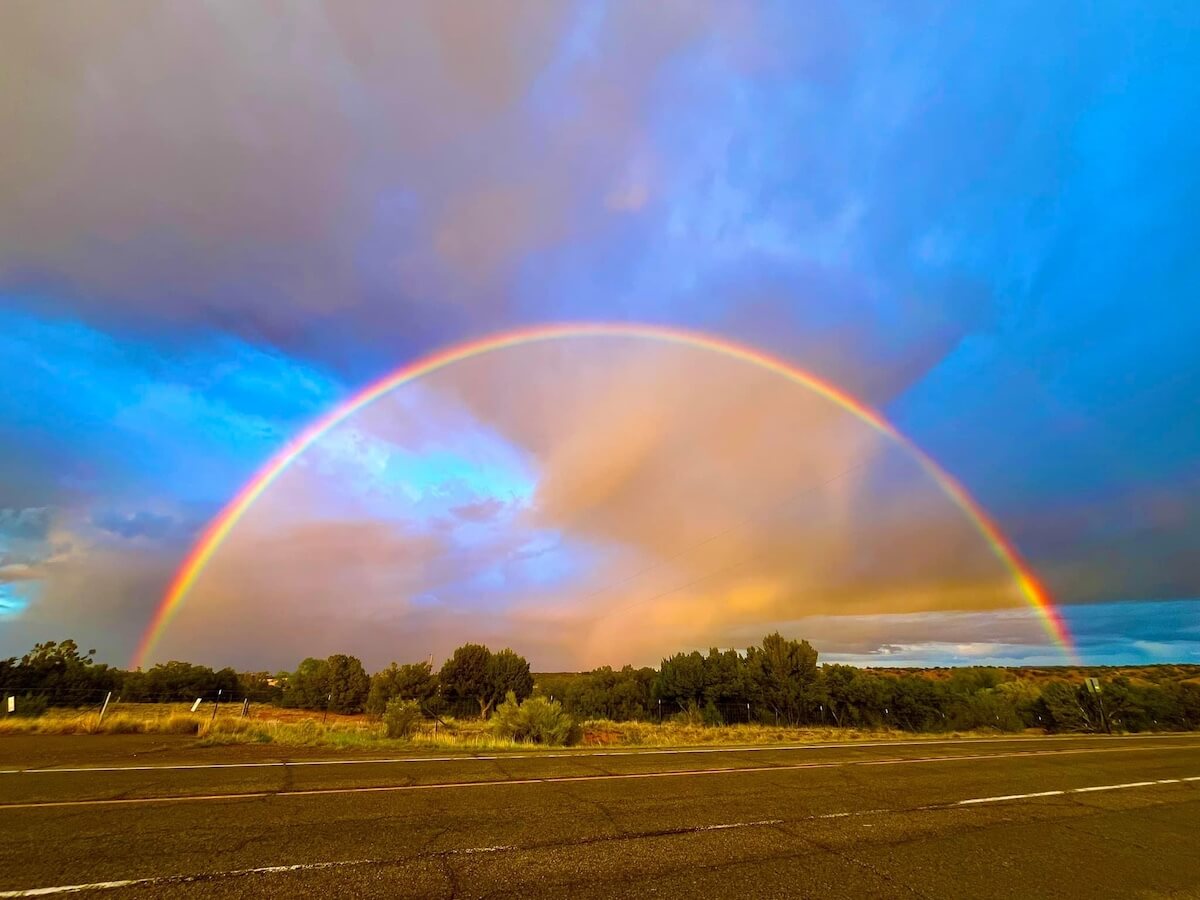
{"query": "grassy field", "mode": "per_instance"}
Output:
(300, 728)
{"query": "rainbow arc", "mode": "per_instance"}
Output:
(220, 527)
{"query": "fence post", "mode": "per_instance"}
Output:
(104, 706)
(216, 706)
(245, 707)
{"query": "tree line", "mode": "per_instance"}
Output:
(781, 683)
(778, 682)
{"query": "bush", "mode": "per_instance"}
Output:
(537, 720)
(401, 717)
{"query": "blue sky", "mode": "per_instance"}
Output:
(982, 221)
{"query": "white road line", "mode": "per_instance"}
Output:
(758, 824)
(1009, 797)
(1078, 790)
(181, 879)
(164, 880)
(555, 779)
(583, 754)
(311, 867)
(1114, 787)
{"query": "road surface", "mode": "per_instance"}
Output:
(1009, 817)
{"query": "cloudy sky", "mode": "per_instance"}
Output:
(219, 220)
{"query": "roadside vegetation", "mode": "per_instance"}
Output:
(480, 699)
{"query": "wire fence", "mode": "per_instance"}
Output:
(20, 700)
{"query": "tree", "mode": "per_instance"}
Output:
(508, 673)
(411, 681)
(724, 677)
(784, 677)
(308, 686)
(1065, 708)
(474, 672)
(681, 680)
(60, 674)
(465, 675)
(839, 687)
(348, 683)
(260, 687)
(602, 693)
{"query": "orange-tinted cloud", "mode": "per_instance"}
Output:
(679, 498)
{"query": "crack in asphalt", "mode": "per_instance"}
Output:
(785, 828)
(845, 856)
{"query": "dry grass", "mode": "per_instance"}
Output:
(299, 728)
(116, 723)
(675, 734)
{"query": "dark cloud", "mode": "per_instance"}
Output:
(214, 225)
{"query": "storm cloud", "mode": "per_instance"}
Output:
(217, 221)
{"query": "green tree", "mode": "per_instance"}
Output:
(724, 677)
(1066, 708)
(783, 677)
(474, 672)
(681, 680)
(308, 686)
(348, 683)
(411, 681)
(58, 673)
(465, 675)
(839, 687)
(507, 672)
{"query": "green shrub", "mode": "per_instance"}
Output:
(401, 717)
(537, 720)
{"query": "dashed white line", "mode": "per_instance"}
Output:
(164, 880)
(726, 827)
(1009, 797)
(1114, 787)
(1079, 790)
(183, 879)
(555, 779)
(466, 851)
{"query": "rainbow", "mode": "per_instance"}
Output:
(220, 527)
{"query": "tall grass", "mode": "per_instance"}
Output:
(118, 723)
(291, 728)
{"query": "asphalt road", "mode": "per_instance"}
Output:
(1074, 817)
